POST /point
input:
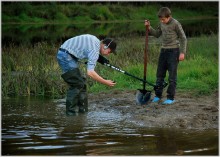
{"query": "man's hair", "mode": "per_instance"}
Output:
(110, 43)
(164, 12)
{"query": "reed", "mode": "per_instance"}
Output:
(32, 71)
(28, 70)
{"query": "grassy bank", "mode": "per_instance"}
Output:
(34, 70)
(81, 12)
(198, 73)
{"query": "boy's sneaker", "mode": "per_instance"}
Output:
(168, 102)
(156, 99)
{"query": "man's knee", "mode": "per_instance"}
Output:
(74, 78)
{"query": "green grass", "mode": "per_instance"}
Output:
(197, 73)
(76, 12)
(34, 70)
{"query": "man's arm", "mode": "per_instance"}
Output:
(98, 78)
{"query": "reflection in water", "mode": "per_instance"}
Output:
(30, 34)
(38, 127)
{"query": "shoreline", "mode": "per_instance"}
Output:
(188, 112)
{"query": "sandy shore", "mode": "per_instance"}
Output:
(188, 112)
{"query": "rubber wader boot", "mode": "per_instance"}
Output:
(74, 79)
(83, 99)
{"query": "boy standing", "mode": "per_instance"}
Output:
(172, 51)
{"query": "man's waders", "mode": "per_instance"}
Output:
(76, 94)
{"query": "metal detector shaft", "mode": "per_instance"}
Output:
(126, 73)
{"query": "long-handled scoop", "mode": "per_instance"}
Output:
(102, 60)
(143, 95)
(128, 74)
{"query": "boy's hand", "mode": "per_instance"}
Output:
(147, 23)
(181, 57)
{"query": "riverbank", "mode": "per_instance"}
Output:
(188, 112)
(77, 12)
(40, 75)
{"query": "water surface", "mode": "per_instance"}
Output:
(23, 34)
(40, 127)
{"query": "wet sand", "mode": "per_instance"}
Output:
(188, 112)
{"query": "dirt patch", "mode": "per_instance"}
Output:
(187, 112)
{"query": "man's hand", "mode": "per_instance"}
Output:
(102, 60)
(181, 57)
(110, 83)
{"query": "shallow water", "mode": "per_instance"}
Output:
(40, 127)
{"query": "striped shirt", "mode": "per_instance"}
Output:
(84, 47)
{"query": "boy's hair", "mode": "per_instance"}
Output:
(164, 12)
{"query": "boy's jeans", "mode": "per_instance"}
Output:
(168, 61)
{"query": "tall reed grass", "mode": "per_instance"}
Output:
(28, 70)
(31, 71)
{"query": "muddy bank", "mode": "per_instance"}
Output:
(187, 112)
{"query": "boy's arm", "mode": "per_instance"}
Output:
(182, 37)
(155, 32)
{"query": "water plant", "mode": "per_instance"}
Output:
(33, 70)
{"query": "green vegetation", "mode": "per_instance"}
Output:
(198, 73)
(87, 12)
(30, 71)
(28, 22)
(34, 70)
